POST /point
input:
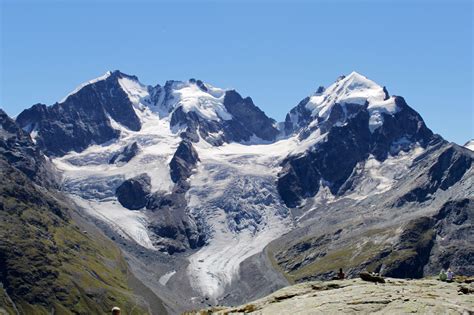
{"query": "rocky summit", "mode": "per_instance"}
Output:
(212, 202)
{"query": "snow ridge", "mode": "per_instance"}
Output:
(207, 101)
(354, 89)
(77, 89)
(470, 145)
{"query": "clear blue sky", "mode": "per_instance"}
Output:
(276, 52)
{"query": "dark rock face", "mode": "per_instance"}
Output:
(454, 248)
(128, 153)
(450, 165)
(303, 115)
(247, 120)
(334, 160)
(183, 162)
(196, 126)
(249, 117)
(19, 150)
(134, 192)
(82, 119)
(175, 228)
(405, 125)
(201, 85)
(169, 220)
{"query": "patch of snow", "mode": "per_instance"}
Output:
(101, 78)
(34, 134)
(166, 277)
(353, 89)
(129, 224)
(137, 93)
(209, 105)
(470, 145)
(377, 108)
(375, 177)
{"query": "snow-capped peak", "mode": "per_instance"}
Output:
(82, 85)
(194, 95)
(203, 99)
(354, 89)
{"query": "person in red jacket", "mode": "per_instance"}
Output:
(341, 275)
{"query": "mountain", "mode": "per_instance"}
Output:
(469, 145)
(90, 114)
(211, 201)
(51, 260)
(352, 120)
(18, 149)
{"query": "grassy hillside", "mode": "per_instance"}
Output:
(397, 251)
(48, 263)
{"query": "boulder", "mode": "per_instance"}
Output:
(371, 278)
(134, 193)
(183, 161)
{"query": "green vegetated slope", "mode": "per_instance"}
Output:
(418, 248)
(47, 263)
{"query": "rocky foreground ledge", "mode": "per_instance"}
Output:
(395, 296)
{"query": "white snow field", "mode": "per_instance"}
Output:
(233, 188)
(470, 145)
(353, 89)
(235, 181)
(166, 277)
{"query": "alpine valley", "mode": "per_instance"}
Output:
(179, 196)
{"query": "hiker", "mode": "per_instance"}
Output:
(341, 275)
(116, 311)
(450, 275)
(442, 275)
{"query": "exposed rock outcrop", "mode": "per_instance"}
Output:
(183, 162)
(453, 247)
(17, 147)
(449, 164)
(175, 228)
(82, 118)
(134, 193)
(248, 119)
(358, 296)
(127, 153)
